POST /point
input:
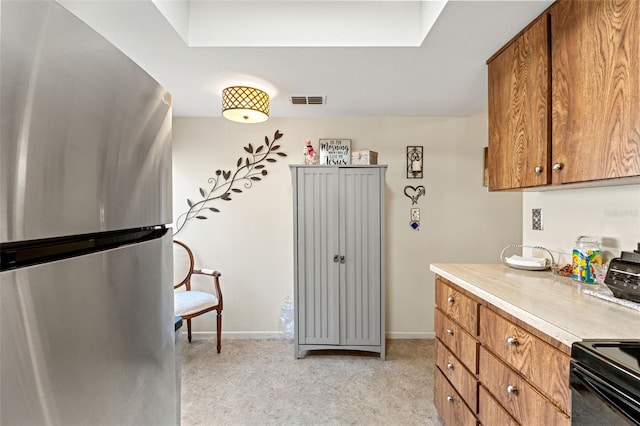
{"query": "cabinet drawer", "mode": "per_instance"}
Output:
(490, 412)
(458, 341)
(457, 306)
(461, 379)
(449, 404)
(544, 366)
(518, 397)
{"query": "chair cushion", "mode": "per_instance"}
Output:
(191, 302)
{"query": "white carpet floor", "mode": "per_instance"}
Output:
(259, 382)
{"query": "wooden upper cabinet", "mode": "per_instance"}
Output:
(519, 154)
(595, 89)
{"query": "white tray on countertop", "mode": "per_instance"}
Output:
(526, 263)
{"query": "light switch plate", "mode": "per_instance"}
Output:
(536, 220)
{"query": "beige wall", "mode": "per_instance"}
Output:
(610, 213)
(250, 241)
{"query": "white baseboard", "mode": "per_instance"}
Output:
(278, 334)
(411, 335)
(236, 334)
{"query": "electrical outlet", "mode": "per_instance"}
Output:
(536, 220)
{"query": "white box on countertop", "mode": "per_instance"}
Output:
(364, 157)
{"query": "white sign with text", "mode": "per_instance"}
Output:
(335, 152)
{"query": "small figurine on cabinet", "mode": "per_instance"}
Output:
(309, 153)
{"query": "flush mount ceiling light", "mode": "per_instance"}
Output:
(245, 104)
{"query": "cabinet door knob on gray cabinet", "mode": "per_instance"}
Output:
(337, 258)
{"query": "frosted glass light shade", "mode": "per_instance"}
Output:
(245, 104)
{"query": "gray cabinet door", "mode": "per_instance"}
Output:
(360, 243)
(317, 243)
(338, 253)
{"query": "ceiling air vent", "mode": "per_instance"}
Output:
(308, 100)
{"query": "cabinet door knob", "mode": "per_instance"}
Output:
(449, 366)
(449, 332)
(336, 258)
(450, 299)
(537, 169)
(449, 398)
(512, 341)
(341, 259)
(512, 389)
(557, 167)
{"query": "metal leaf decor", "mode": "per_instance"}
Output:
(248, 170)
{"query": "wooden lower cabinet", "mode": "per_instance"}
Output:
(456, 372)
(532, 358)
(457, 306)
(459, 342)
(450, 405)
(505, 374)
(491, 412)
(516, 395)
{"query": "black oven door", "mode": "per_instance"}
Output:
(596, 402)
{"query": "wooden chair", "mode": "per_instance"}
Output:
(189, 304)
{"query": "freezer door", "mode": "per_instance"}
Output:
(85, 131)
(90, 340)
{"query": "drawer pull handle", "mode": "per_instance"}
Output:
(449, 366)
(512, 341)
(449, 332)
(450, 299)
(512, 390)
(449, 398)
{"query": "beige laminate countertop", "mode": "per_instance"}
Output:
(552, 304)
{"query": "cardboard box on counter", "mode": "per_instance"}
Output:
(364, 157)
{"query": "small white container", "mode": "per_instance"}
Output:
(364, 157)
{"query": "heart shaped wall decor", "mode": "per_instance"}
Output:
(414, 192)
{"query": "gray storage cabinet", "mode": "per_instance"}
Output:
(339, 258)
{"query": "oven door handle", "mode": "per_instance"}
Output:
(613, 397)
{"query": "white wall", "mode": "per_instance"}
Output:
(610, 213)
(250, 241)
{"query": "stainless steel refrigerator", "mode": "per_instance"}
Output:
(86, 301)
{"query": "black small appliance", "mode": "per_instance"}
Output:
(623, 275)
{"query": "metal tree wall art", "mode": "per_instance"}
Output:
(249, 169)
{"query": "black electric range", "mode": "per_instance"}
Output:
(605, 382)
